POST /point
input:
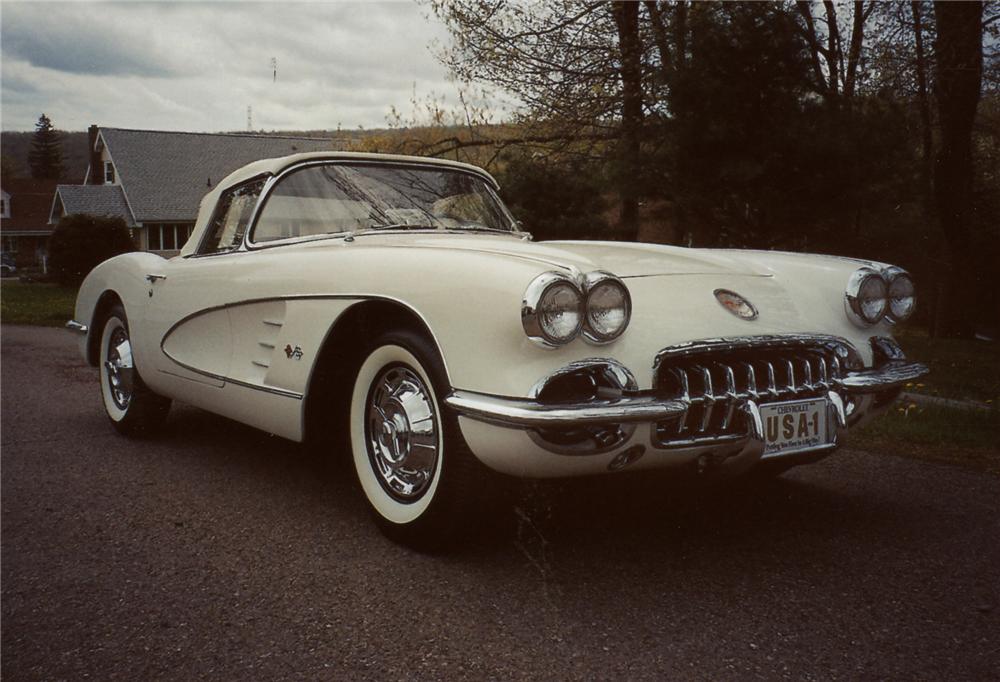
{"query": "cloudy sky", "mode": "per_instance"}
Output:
(198, 65)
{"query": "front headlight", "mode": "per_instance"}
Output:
(609, 307)
(866, 297)
(902, 294)
(552, 309)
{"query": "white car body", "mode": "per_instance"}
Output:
(239, 333)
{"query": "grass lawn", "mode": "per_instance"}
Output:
(960, 369)
(38, 304)
(967, 438)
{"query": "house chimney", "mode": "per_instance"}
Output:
(96, 174)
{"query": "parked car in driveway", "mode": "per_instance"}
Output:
(8, 268)
(395, 300)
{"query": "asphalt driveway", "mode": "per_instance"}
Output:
(216, 551)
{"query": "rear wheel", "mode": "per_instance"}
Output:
(131, 406)
(421, 482)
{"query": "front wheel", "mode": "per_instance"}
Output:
(418, 477)
(131, 406)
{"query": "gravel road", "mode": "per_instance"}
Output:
(216, 551)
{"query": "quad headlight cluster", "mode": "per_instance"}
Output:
(873, 295)
(558, 307)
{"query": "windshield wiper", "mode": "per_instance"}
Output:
(402, 226)
(480, 228)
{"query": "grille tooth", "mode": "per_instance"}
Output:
(682, 379)
(772, 383)
(731, 395)
(791, 377)
(751, 380)
(709, 396)
(835, 366)
(822, 373)
(807, 381)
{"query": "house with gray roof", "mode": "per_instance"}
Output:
(154, 180)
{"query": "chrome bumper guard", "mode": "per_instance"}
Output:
(75, 326)
(528, 413)
(889, 376)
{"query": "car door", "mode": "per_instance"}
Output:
(187, 321)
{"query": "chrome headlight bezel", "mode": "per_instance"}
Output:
(592, 282)
(534, 298)
(853, 301)
(894, 276)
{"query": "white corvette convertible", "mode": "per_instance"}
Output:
(394, 300)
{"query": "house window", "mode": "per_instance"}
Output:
(153, 237)
(109, 173)
(169, 240)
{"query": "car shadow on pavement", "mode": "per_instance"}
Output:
(619, 515)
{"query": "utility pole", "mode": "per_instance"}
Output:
(274, 69)
(249, 119)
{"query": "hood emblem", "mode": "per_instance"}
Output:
(736, 304)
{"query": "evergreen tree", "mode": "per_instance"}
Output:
(45, 157)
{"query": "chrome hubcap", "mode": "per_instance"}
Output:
(401, 431)
(119, 368)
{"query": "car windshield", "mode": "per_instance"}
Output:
(336, 198)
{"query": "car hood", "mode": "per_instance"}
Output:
(620, 258)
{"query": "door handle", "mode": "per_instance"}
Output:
(152, 278)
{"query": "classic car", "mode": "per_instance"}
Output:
(395, 301)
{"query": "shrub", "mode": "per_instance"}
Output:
(81, 242)
(555, 201)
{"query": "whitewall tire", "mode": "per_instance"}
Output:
(132, 408)
(420, 481)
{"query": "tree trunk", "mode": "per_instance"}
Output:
(833, 53)
(934, 287)
(923, 103)
(958, 78)
(627, 19)
(854, 53)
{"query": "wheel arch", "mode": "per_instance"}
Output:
(105, 302)
(342, 351)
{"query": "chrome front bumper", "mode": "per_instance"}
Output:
(530, 413)
(521, 436)
(77, 327)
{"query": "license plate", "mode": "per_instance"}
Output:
(794, 426)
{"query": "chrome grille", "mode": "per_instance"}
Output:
(714, 383)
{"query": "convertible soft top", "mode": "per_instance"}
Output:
(277, 165)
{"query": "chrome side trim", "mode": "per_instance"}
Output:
(520, 412)
(891, 375)
(292, 297)
(75, 326)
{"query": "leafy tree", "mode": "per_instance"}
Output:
(45, 157)
(9, 167)
(80, 242)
